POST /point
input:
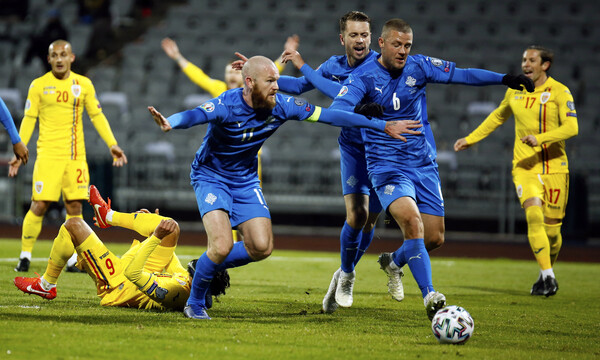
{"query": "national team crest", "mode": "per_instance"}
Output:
(208, 106)
(519, 191)
(39, 186)
(210, 198)
(343, 91)
(76, 90)
(545, 97)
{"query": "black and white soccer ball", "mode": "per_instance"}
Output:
(452, 325)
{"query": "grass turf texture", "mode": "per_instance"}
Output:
(272, 310)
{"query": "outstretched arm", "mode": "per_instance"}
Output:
(291, 44)
(342, 118)
(481, 77)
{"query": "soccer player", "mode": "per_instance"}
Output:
(543, 121)
(148, 276)
(233, 77)
(224, 172)
(58, 98)
(404, 174)
(362, 205)
(19, 148)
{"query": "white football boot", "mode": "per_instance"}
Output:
(343, 293)
(329, 304)
(395, 287)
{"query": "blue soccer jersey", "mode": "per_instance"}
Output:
(402, 96)
(236, 131)
(336, 69)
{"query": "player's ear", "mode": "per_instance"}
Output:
(342, 39)
(545, 65)
(380, 41)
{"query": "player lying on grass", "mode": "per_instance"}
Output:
(148, 276)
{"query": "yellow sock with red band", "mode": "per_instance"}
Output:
(555, 239)
(538, 240)
(62, 249)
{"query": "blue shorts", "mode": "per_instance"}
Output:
(353, 169)
(422, 184)
(243, 201)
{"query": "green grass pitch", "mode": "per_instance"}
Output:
(273, 310)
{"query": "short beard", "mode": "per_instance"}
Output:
(261, 102)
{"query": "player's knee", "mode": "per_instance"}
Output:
(412, 226)
(260, 250)
(74, 224)
(534, 216)
(435, 241)
(357, 217)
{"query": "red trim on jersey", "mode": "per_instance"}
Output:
(545, 147)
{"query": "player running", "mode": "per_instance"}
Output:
(224, 172)
(148, 276)
(543, 121)
(59, 98)
(362, 205)
(404, 174)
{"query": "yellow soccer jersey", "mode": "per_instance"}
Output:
(59, 105)
(212, 86)
(548, 113)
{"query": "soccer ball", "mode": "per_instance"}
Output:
(452, 325)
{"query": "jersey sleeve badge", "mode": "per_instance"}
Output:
(208, 106)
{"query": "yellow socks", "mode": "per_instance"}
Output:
(538, 240)
(62, 249)
(555, 238)
(32, 226)
(143, 224)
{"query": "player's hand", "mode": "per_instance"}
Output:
(517, 82)
(395, 128)
(13, 169)
(461, 144)
(160, 119)
(119, 157)
(529, 140)
(239, 64)
(170, 48)
(21, 151)
(166, 227)
(146, 211)
(292, 43)
(293, 56)
(369, 110)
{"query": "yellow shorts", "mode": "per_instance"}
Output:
(107, 270)
(553, 189)
(50, 177)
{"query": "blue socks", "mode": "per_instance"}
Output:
(365, 241)
(413, 253)
(349, 239)
(238, 256)
(205, 270)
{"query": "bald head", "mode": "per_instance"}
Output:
(60, 43)
(257, 65)
(260, 82)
